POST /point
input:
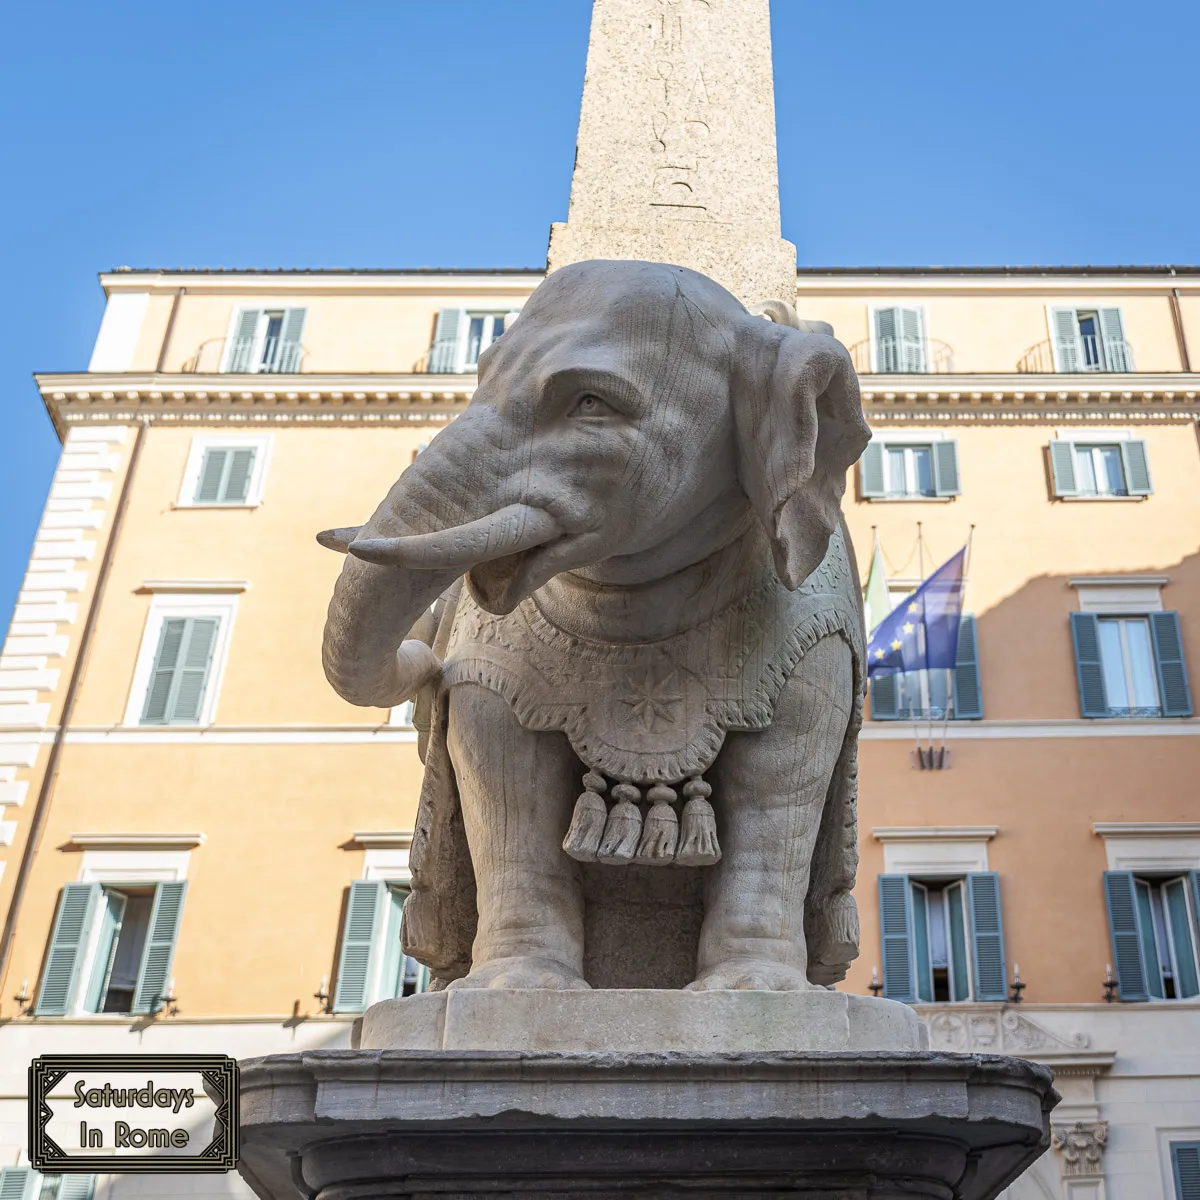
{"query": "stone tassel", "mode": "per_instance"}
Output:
(587, 825)
(660, 833)
(624, 828)
(698, 846)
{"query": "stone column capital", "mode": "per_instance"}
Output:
(1081, 1146)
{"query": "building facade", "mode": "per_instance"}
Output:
(202, 848)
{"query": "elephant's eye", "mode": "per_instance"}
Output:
(591, 405)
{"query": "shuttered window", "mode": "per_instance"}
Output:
(179, 677)
(1185, 1163)
(917, 695)
(1089, 340)
(1082, 470)
(133, 950)
(22, 1183)
(942, 940)
(908, 471)
(1153, 923)
(266, 341)
(17, 1183)
(1129, 666)
(461, 336)
(372, 965)
(225, 475)
(899, 343)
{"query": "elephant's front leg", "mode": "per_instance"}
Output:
(517, 788)
(771, 789)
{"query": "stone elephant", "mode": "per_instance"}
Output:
(625, 563)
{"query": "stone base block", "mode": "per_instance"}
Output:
(370, 1125)
(640, 1021)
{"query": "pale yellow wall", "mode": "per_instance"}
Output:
(1189, 311)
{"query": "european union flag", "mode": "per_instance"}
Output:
(922, 632)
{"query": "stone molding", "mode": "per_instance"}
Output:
(1082, 1147)
(1000, 1029)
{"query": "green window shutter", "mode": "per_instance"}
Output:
(871, 471)
(212, 476)
(968, 691)
(887, 340)
(241, 351)
(987, 936)
(77, 1187)
(1089, 672)
(1137, 468)
(885, 698)
(960, 975)
(1064, 333)
(920, 928)
(17, 1183)
(363, 917)
(945, 469)
(71, 926)
(180, 673)
(1175, 897)
(1185, 1160)
(1062, 469)
(291, 349)
(237, 479)
(111, 914)
(155, 971)
(895, 934)
(1173, 690)
(912, 341)
(1116, 348)
(1128, 961)
(447, 334)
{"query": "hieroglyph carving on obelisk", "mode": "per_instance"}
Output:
(676, 158)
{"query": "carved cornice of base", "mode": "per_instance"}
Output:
(1081, 1146)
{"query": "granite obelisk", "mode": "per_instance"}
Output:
(676, 159)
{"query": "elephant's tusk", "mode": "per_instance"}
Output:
(509, 531)
(338, 539)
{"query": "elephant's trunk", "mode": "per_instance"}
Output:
(446, 513)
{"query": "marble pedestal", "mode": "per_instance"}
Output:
(752, 1119)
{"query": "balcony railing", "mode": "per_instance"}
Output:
(1077, 355)
(903, 356)
(276, 357)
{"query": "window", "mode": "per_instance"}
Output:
(178, 673)
(1089, 340)
(894, 469)
(1085, 470)
(225, 470)
(934, 695)
(1153, 924)
(23, 1183)
(372, 965)
(111, 948)
(265, 341)
(1185, 1162)
(1130, 666)
(461, 336)
(942, 939)
(899, 341)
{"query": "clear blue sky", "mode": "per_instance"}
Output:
(423, 132)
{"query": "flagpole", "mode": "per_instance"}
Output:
(950, 670)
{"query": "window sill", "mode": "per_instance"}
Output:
(907, 499)
(1100, 499)
(247, 504)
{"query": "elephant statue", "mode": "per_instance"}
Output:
(625, 563)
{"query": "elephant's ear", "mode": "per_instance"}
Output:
(800, 428)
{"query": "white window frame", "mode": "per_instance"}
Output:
(260, 443)
(224, 609)
(265, 312)
(872, 309)
(112, 868)
(490, 317)
(1126, 658)
(910, 491)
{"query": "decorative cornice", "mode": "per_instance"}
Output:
(1146, 829)
(1118, 581)
(137, 841)
(506, 280)
(348, 398)
(929, 833)
(195, 586)
(383, 839)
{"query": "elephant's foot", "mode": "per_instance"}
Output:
(523, 972)
(750, 975)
